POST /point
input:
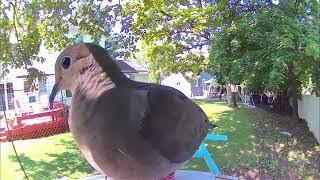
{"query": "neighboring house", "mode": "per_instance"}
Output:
(179, 82)
(200, 85)
(16, 94)
(133, 71)
(196, 87)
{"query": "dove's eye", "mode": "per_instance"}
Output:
(65, 62)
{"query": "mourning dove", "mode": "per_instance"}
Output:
(126, 129)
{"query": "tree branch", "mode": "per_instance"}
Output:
(205, 35)
(200, 3)
(14, 18)
(166, 14)
(194, 45)
(14, 14)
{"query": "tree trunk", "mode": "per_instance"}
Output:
(295, 114)
(293, 91)
(231, 96)
(234, 99)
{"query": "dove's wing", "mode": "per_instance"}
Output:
(174, 125)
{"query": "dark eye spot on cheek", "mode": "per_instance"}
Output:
(84, 69)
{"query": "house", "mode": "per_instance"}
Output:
(179, 82)
(133, 71)
(196, 87)
(200, 85)
(17, 96)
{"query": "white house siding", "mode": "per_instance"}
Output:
(179, 82)
(61, 96)
(18, 91)
(41, 96)
(309, 109)
(142, 77)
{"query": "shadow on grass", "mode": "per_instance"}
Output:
(196, 164)
(256, 148)
(205, 102)
(61, 164)
(239, 150)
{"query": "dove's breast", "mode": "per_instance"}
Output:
(106, 131)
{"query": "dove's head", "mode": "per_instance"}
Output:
(72, 64)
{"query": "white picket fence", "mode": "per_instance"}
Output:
(309, 109)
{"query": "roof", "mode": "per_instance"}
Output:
(26, 76)
(129, 67)
(32, 70)
(205, 76)
(212, 80)
(125, 66)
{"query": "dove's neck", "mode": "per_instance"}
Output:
(93, 82)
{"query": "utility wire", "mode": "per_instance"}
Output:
(13, 146)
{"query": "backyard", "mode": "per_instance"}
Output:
(255, 149)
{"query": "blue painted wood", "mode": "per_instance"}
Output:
(213, 167)
(205, 154)
(198, 154)
(216, 137)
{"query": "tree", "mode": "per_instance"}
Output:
(268, 50)
(187, 26)
(313, 43)
(26, 24)
(169, 58)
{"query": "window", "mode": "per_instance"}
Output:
(10, 96)
(131, 76)
(32, 99)
(78, 39)
(68, 93)
(43, 86)
(2, 98)
(196, 83)
(26, 86)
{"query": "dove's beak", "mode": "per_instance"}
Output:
(53, 94)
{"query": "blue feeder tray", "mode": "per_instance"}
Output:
(205, 154)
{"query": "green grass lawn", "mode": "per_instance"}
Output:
(255, 148)
(45, 158)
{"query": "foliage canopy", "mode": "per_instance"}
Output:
(275, 49)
